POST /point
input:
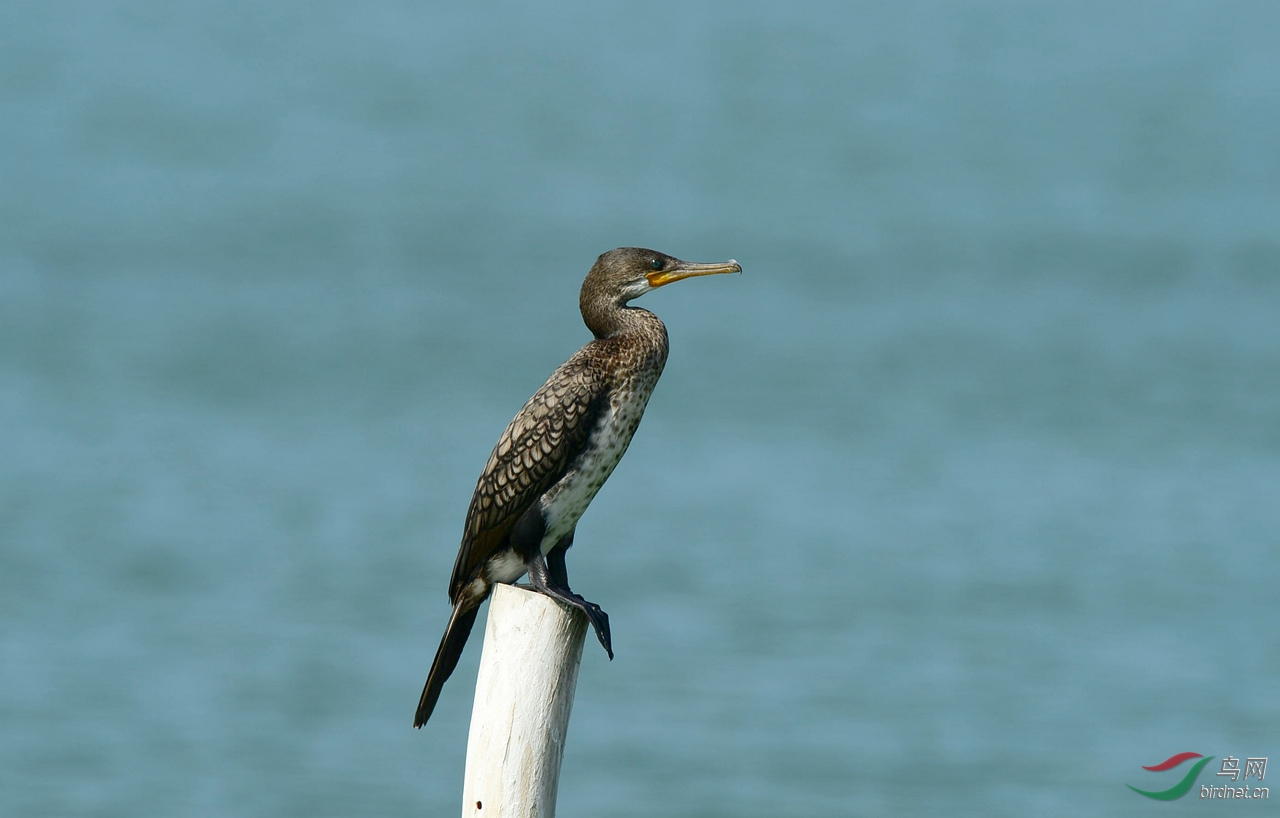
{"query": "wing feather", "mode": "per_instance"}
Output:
(539, 444)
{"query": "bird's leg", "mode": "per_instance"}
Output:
(555, 561)
(559, 574)
(553, 581)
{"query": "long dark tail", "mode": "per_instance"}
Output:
(451, 645)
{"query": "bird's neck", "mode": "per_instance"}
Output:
(619, 320)
(634, 340)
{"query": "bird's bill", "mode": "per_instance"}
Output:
(688, 269)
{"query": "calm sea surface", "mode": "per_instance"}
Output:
(961, 500)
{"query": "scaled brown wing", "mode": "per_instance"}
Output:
(542, 440)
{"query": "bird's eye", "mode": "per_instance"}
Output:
(655, 264)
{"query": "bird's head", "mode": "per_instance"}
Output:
(629, 272)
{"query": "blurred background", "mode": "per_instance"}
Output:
(960, 500)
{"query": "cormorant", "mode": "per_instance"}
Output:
(559, 449)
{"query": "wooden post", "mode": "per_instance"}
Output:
(524, 692)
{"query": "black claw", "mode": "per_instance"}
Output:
(600, 621)
(598, 618)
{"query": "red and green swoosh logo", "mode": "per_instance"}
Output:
(1182, 787)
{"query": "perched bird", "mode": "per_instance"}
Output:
(559, 449)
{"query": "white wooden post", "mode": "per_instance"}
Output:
(524, 692)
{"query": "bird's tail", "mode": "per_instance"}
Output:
(451, 645)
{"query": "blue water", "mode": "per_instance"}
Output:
(959, 501)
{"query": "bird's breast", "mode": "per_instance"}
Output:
(564, 503)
